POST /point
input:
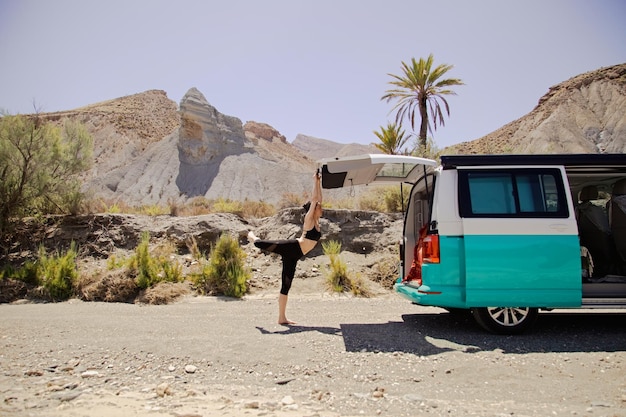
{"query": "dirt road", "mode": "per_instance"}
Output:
(207, 356)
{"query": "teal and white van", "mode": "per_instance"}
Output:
(504, 236)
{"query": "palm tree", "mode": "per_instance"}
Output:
(421, 86)
(391, 139)
(391, 142)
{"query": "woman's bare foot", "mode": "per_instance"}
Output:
(252, 236)
(282, 308)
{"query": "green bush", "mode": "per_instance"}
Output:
(172, 271)
(337, 274)
(396, 198)
(40, 162)
(154, 210)
(58, 274)
(225, 273)
(222, 205)
(27, 273)
(145, 266)
(150, 270)
(385, 199)
(358, 287)
(371, 201)
(337, 277)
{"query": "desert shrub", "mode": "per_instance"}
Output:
(358, 286)
(172, 271)
(174, 206)
(144, 265)
(194, 250)
(58, 273)
(93, 205)
(196, 206)
(50, 277)
(371, 201)
(114, 262)
(164, 249)
(150, 270)
(113, 209)
(117, 207)
(225, 205)
(74, 201)
(11, 290)
(396, 198)
(385, 199)
(337, 273)
(348, 203)
(257, 209)
(225, 273)
(385, 272)
(154, 210)
(292, 200)
(27, 273)
(163, 293)
(40, 162)
(337, 277)
(115, 286)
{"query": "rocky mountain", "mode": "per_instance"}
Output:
(585, 114)
(148, 150)
(317, 148)
(123, 128)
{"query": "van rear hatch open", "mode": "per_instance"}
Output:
(372, 168)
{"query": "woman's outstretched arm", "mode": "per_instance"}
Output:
(317, 188)
(316, 198)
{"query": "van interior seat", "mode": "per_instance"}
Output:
(617, 210)
(595, 232)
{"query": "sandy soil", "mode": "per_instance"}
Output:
(208, 356)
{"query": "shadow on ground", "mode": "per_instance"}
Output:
(292, 329)
(430, 334)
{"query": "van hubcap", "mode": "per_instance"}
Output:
(508, 316)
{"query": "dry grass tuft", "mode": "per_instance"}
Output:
(12, 289)
(385, 271)
(113, 286)
(164, 292)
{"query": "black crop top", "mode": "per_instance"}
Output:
(313, 234)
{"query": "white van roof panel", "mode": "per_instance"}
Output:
(370, 168)
(571, 162)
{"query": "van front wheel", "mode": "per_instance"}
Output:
(505, 320)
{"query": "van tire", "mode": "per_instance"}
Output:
(505, 320)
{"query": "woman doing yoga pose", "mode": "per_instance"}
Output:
(293, 249)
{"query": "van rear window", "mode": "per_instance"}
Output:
(512, 193)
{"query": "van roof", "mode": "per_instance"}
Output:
(605, 162)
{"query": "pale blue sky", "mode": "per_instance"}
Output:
(314, 67)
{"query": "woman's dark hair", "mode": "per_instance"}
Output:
(306, 206)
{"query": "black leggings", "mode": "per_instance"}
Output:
(290, 251)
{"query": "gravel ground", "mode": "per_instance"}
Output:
(207, 356)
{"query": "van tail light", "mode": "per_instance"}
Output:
(426, 251)
(430, 252)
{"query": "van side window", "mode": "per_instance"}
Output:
(512, 193)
